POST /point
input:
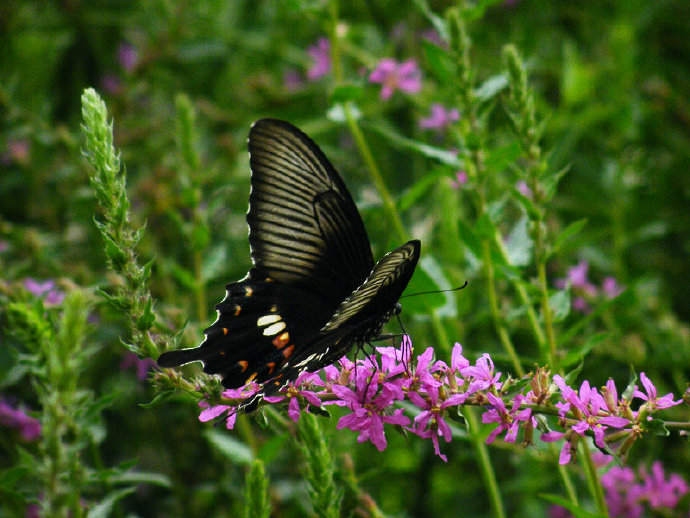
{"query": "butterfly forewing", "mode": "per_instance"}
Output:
(304, 228)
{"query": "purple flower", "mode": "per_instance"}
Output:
(660, 492)
(439, 118)
(141, 365)
(294, 394)
(611, 288)
(618, 483)
(17, 151)
(524, 189)
(482, 374)
(128, 57)
(393, 76)
(321, 54)
(292, 80)
(430, 422)
(459, 181)
(4, 246)
(29, 427)
(111, 84)
(509, 420)
(214, 411)
(52, 297)
(652, 400)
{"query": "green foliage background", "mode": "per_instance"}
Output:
(610, 81)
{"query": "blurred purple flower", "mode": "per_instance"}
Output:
(440, 117)
(141, 366)
(320, 52)
(557, 511)
(659, 492)
(17, 151)
(292, 80)
(611, 288)
(392, 75)
(459, 180)
(432, 36)
(128, 57)
(29, 427)
(653, 402)
(111, 84)
(46, 289)
(524, 189)
(4, 246)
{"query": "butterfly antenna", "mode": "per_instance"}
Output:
(406, 352)
(435, 291)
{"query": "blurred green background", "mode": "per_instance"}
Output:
(611, 82)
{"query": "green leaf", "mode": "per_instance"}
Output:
(656, 426)
(420, 187)
(576, 510)
(559, 303)
(140, 477)
(229, 447)
(160, 398)
(147, 318)
(567, 233)
(105, 507)
(491, 87)
(441, 155)
(519, 244)
(578, 353)
(346, 92)
(439, 61)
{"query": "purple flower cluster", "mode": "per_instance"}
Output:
(393, 76)
(584, 289)
(373, 394)
(627, 493)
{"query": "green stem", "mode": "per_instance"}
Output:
(485, 466)
(592, 476)
(495, 311)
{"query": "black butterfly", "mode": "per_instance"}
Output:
(314, 290)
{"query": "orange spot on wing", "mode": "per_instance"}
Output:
(238, 308)
(281, 340)
(251, 378)
(270, 366)
(287, 352)
(244, 364)
(225, 330)
(248, 291)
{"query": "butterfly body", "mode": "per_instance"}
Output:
(314, 291)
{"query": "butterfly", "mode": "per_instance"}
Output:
(314, 290)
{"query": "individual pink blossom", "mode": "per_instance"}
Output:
(393, 76)
(653, 402)
(440, 117)
(482, 375)
(320, 52)
(297, 391)
(430, 422)
(509, 420)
